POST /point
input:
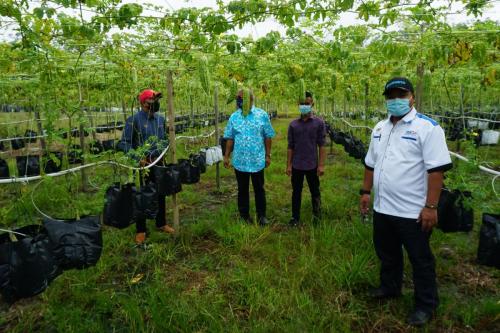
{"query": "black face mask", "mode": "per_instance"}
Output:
(155, 107)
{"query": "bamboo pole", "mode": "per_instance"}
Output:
(171, 132)
(216, 109)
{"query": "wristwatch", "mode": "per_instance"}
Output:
(361, 192)
(431, 206)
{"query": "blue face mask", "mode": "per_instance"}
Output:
(398, 107)
(305, 109)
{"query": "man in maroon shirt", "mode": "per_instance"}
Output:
(306, 136)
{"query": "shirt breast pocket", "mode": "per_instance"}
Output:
(411, 144)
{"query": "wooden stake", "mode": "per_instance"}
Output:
(40, 129)
(216, 109)
(82, 140)
(171, 132)
(420, 86)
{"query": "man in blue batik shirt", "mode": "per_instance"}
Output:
(147, 128)
(249, 136)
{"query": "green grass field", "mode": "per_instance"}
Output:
(219, 275)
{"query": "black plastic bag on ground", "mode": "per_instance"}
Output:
(453, 216)
(200, 161)
(17, 144)
(27, 265)
(146, 202)
(28, 165)
(119, 206)
(52, 162)
(75, 243)
(190, 174)
(488, 251)
(30, 136)
(4, 169)
(168, 179)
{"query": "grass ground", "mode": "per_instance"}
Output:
(220, 275)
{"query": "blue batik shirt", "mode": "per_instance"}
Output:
(249, 134)
(139, 128)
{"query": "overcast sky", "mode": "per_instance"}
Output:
(263, 28)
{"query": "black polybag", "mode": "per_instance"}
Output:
(30, 136)
(453, 216)
(28, 165)
(190, 174)
(167, 179)
(27, 265)
(96, 147)
(200, 161)
(75, 154)
(146, 202)
(17, 144)
(488, 251)
(119, 205)
(75, 243)
(4, 169)
(52, 162)
(108, 144)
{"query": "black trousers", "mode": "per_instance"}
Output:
(298, 183)
(140, 224)
(243, 180)
(390, 234)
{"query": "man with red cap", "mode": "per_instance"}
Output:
(147, 127)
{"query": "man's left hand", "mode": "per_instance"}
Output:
(428, 218)
(321, 170)
(268, 161)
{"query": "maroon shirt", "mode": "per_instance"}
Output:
(304, 138)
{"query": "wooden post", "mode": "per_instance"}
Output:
(367, 106)
(420, 86)
(82, 140)
(191, 108)
(171, 134)
(461, 114)
(216, 109)
(40, 130)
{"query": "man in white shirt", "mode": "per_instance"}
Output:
(405, 164)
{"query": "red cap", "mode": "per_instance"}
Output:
(146, 94)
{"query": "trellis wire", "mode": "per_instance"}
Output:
(482, 168)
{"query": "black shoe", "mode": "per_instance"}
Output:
(247, 219)
(294, 223)
(380, 293)
(419, 318)
(263, 221)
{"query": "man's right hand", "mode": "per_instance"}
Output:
(289, 170)
(364, 204)
(227, 162)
